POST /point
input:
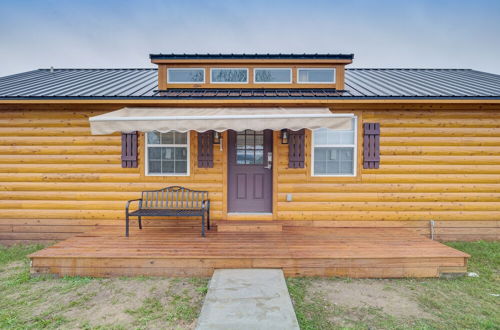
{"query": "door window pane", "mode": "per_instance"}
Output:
(250, 147)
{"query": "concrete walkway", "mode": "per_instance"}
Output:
(247, 299)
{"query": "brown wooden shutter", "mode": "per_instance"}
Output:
(205, 149)
(371, 145)
(296, 148)
(129, 150)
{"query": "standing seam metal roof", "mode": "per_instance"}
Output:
(142, 84)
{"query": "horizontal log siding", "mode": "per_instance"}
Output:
(56, 179)
(438, 163)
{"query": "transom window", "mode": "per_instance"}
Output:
(187, 75)
(273, 75)
(334, 151)
(167, 153)
(229, 75)
(316, 75)
(250, 147)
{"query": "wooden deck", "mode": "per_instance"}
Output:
(299, 251)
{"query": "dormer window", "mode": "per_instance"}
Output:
(186, 76)
(272, 75)
(229, 75)
(316, 76)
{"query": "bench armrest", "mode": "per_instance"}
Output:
(205, 204)
(133, 200)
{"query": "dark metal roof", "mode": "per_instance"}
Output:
(359, 84)
(250, 56)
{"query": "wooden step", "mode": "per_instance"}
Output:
(249, 226)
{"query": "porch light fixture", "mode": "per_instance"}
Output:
(284, 136)
(217, 138)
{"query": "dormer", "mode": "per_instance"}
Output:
(251, 70)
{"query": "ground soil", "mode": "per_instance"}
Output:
(382, 295)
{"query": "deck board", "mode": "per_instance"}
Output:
(299, 251)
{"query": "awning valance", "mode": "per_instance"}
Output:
(217, 119)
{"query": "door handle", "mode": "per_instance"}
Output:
(269, 161)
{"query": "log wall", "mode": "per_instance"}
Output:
(438, 163)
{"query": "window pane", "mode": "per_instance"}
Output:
(154, 167)
(167, 167)
(321, 136)
(154, 153)
(229, 75)
(181, 153)
(259, 157)
(331, 160)
(346, 137)
(167, 159)
(180, 138)
(240, 141)
(250, 157)
(167, 138)
(154, 138)
(181, 167)
(186, 75)
(167, 153)
(319, 167)
(240, 156)
(316, 75)
(273, 75)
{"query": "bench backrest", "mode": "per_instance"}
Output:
(174, 197)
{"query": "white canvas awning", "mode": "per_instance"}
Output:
(217, 119)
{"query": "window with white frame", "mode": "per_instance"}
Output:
(272, 75)
(167, 153)
(185, 76)
(229, 75)
(334, 151)
(316, 75)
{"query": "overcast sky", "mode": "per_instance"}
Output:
(89, 34)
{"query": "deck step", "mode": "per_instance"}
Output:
(249, 226)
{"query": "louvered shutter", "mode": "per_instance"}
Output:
(371, 145)
(205, 149)
(296, 148)
(129, 150)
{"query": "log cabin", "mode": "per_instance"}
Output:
(284, 144)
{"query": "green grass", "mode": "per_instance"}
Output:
(458, 303)
(25, 301)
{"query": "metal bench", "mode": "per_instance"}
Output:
(172, 201)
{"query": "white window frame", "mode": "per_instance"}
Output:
(272, 82)
(227, 82)
(355, 153)
(188, 160)
(316, 69)
(185, 82)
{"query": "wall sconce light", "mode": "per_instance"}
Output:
(284, 136)
(217, 138)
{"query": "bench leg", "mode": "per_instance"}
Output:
(203, 225)
(140, 222)
(126, 224)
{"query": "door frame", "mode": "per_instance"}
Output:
(226, 215)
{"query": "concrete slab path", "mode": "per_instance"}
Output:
(247, 299)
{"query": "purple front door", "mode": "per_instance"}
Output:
(250, 171)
